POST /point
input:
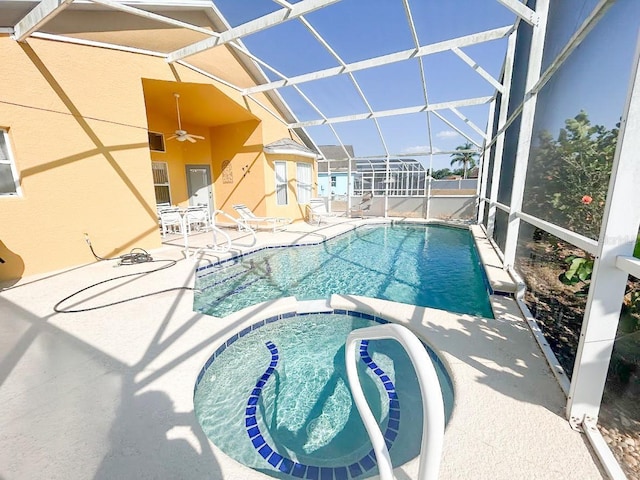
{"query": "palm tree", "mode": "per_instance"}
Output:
(464, 157)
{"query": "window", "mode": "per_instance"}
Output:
(161, 182)
(8, 174)
(333, 180)
(156, 142)
(281, 183)
(304, 182)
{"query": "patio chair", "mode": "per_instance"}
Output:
(197, 219)
(170, 221)
(317, 211)
(251, 221)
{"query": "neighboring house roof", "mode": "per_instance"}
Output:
(337, 158)
(336, 152)
(286, 146)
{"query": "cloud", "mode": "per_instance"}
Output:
(416, 149)
(420, 150)
(447, 134)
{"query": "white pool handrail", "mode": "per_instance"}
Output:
(432, 404)
(240, 225)
(225, 247)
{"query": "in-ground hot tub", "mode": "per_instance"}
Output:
(276, 398)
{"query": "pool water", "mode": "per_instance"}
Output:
(277, 398)
(425, 265)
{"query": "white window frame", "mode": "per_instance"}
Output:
(168, 182)
(281, 184)
(304, 174)
(4, 136)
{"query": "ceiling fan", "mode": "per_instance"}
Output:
(180, 134)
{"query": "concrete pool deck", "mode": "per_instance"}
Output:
(108, 393)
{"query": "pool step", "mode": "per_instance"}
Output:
(314, 306)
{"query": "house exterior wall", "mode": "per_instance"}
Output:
(77, 124)
(241, 145)
(292, 209)
(324, 184)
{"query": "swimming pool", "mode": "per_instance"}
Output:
(276, 398)
(425, 265)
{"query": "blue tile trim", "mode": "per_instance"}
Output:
(285, 464)
(393, 424)
(434, 357)
(295, 469)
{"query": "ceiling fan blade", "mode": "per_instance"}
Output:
(172, 137)
(197, 136)
(190, 138)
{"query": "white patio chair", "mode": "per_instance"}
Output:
(317, 211)
(170, 221)
(250, 220)
(197, 219)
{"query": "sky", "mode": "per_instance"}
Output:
(360, 29)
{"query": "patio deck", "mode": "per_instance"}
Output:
(108, 393)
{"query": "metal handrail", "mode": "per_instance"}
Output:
(432, 403)
(215, 230)
(241, 226)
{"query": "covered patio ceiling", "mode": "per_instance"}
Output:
(201, 104)
(401, 78)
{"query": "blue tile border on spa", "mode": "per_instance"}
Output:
(353, 313)
(296, 469)
(291, 467)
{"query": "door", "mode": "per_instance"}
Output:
(199, 186)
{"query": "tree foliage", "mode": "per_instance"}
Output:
(464, 158)
(568, 176)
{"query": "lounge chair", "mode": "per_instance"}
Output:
(317, 211)
(250, 220)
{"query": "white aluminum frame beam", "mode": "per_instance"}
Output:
(337, 57)
(468, 121)
(618, 236)
(438, 47)
(522, 11)
(262, 23)
(154, 16)
(396, 111)
(628, 264)
(500, 134)
(412, 155)
(584, 243)
(573, 43)
(456, 128)
(526, 131)
(423, 76)
(484, 167)
(36, 18)
(478, 69)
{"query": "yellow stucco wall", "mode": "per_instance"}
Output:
(293, 209)
(77, 124)
(240, 144)
(178, 154)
